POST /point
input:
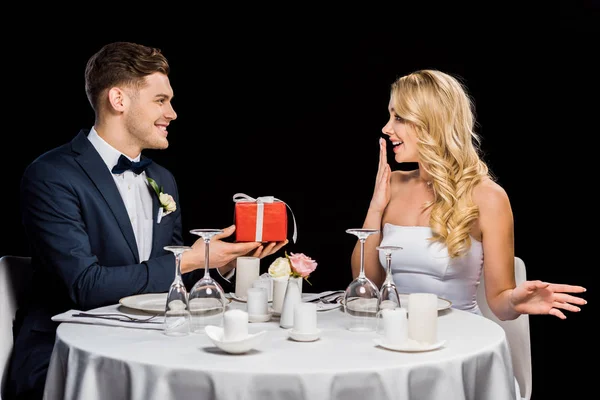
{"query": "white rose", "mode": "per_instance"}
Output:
(280, 268)
(167, 201)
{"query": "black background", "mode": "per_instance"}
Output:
(294, 110)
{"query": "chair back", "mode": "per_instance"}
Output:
(15, 275)
(517, 334)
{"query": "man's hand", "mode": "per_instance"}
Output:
(221, 252)
(224, 254)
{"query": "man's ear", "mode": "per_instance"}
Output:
(117, 99)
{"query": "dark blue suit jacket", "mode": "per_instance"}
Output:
(83, 248)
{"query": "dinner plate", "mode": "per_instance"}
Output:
(410, 346)
(370, 305)
(149, 302)
(442, 303)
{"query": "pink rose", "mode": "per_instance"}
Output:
(301, 264)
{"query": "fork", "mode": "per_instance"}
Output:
(330, 300)
(335, 294)
(117, 317)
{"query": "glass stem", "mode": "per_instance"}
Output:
(388, 259)
(178, 267)
(362, 258)
(206, 252)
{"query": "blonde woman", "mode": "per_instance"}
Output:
(452, 219)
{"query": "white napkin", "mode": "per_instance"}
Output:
(67, 316)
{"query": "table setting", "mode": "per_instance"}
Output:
(268, 339)
(262, 299)
(330, 362)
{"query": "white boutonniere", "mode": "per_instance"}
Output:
(167, 203)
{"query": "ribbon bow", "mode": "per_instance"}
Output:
(137, 167)
(241, 197)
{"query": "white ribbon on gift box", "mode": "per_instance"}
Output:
(260, 209)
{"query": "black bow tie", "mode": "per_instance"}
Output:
(125, 164)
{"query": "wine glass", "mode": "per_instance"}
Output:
(207, 298)
(361, 297)
(177, 312)
(388, 294)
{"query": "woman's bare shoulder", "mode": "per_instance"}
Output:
(488, 194)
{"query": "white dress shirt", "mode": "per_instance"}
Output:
(137, 196)
(135, 192)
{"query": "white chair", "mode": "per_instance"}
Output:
(517, 334)
(15, 274)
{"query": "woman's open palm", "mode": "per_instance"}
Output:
(537, 297)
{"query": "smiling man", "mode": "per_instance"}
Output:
(96, 224)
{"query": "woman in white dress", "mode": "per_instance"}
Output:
(452, 219)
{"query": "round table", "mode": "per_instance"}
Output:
(96, 362)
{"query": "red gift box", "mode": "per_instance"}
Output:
(260, 220)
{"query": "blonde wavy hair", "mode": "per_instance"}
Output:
(439, 109)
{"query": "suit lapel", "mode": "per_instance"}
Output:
(150, 173)
(94, 166)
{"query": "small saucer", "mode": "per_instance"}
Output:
(304, 336)
(215, 333)
(260, 318)
(409, 346)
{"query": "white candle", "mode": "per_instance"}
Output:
(257, 303)
(279, 288)
(246, 272)
(395, 325)
(265, 281)
(235, 325)
(305, 317)
(422, 317)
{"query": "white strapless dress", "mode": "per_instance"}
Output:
(424, 266)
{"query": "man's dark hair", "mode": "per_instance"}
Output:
(121, 63)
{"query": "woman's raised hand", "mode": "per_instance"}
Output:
(381, 194)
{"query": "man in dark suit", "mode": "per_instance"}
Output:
(96, 226)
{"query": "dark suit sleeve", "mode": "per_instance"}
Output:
(73, 239)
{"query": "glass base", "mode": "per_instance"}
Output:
(177, 324)
(202, 320)
(360, 329)
(176, 334)
(361, 324)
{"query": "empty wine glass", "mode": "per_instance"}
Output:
(177, 312)
(388, 294)
(361, 297)
(207, 298)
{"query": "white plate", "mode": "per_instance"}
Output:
(304, 337)
(370, 305)
(409, 346)
(215, 334)
(443, 304)
(149, 302)
(243, 299)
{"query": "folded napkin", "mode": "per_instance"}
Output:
(155, 323)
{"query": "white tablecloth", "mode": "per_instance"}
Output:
(94, 362)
